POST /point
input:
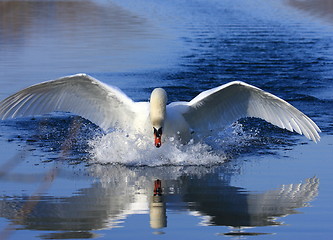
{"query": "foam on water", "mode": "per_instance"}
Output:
(136, 150)
(117, 147)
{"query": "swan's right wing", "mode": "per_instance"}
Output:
(80, 94)
(221, 106)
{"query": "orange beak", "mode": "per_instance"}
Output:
(158, 137)
(158, 141)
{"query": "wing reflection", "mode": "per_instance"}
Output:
(106, 204)
(91, 208)
(231, 206)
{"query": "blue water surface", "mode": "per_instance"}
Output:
(60, 176)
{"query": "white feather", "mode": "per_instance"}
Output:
(223, 105)
(81, 94)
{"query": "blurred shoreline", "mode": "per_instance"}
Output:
(317, 8)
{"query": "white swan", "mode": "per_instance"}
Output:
(109, 107)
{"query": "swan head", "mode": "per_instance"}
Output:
(158, 101)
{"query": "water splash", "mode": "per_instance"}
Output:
(137, 150)
(134, 150)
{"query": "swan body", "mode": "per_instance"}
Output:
(109, 107)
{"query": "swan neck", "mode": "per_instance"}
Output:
(158, 101)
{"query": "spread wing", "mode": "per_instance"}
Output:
(80, 94)
(221, 106)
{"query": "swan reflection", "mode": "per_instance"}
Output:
(157, 211)
(124, 191)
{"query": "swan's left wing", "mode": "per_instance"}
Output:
(221, 106)
(80, 94)
(284, 200)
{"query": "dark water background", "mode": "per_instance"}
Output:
(270, 184)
